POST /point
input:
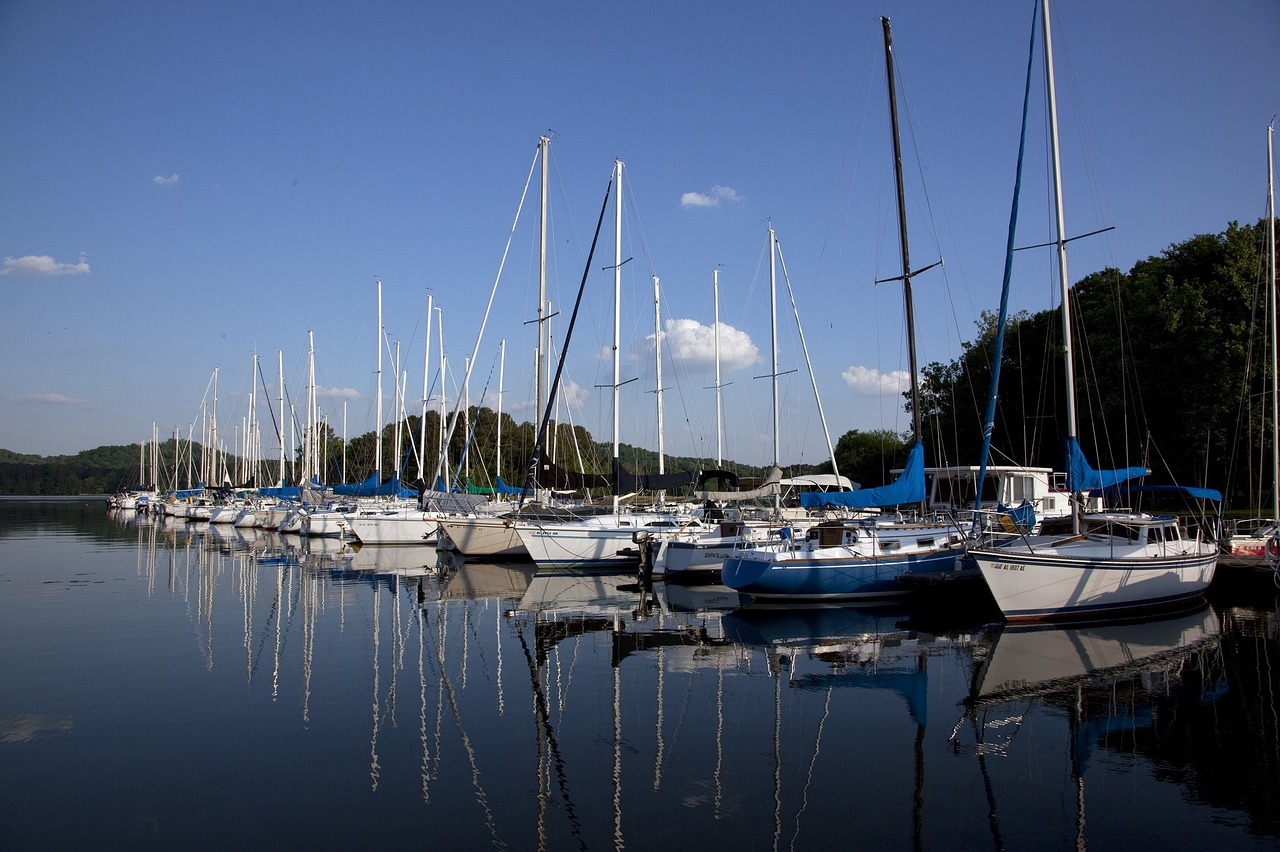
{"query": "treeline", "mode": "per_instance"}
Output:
(1172, 373)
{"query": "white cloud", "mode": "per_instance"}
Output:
(47, 399)
(161, 180)
(694, 344)
(710, 199)
(337, 393)
(871, 382)
(572, 394)
(43, 264)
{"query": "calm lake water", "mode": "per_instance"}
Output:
(172, 685)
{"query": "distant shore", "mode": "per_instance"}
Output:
(50, 498)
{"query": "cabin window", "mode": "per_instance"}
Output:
(891, 544)
(1021, 488)
(924, 542)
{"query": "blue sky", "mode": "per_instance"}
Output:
(183, 185)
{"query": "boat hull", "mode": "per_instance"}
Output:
(409, 527)
(1030, 587)
(575, 546)
(492, 537)
(838, 578)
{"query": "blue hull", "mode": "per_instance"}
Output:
(831, 579)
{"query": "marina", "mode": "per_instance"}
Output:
(175, 683)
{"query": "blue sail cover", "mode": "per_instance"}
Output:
(371, 487)
(285, 492)
(501, 487)
(907, 488)
(1082, 477)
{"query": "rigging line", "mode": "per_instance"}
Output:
(539, 441)
(822, 417)
(493, 292)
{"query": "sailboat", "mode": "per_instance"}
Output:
(862, 556)
(1110, 561)
(607, 539)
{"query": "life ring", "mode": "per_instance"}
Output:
(1273, 547)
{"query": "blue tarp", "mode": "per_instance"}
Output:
(371, 487)
(287, 492)
(1021, 517)
(1188, 490)
(1082, 477)
(907, 488)
(503, 488)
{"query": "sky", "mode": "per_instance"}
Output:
(184, 186)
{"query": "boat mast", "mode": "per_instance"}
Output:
(773, 332)
(540, 379)
(657, 368)
(502, 366)
(426, 376)
(617, 319)
(715, 294)
(280, 431)
(1275, 336)
(377, 453)
(916, 430)
(1061, 239)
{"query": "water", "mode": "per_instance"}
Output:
(172, 685)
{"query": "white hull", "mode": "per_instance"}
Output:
(579, 544)
(1042, 582)
(328, 525)
(395, 527)
(483, 536)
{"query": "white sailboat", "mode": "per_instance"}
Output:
(1112, 561)
(606, 539)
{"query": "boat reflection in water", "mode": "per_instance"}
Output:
(1127, 688)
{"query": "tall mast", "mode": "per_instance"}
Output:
(715, 294)
(1064, 282)
(280, 379)
(377, 454)
(540, 380)
(1275, 357)
(773, 331)
(308, 445)
(466, 421)
(916, 431)
(617, 309)
(502, 365)
(657, 367)
(426, 375)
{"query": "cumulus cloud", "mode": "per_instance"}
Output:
(710, 199)
(694, 344)
(47, 399)
(868, 381)
(572, 394)
(43, 264)
(161, 180)
(337, 393)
